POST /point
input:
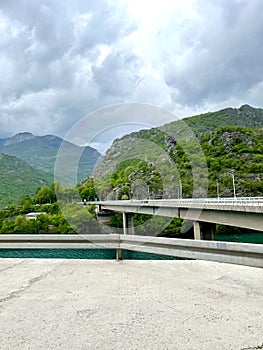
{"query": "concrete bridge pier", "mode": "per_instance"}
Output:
(119, 254)
(128, 223)
(128, 229)
(204, 230)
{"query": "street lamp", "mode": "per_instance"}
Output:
(149, 193)
(180, 189)
(233, 178)
(217, 188)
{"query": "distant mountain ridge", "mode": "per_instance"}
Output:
(245, 116)
(41, 152)
(20, 137)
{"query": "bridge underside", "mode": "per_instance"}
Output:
(204, 220)
(252, 221)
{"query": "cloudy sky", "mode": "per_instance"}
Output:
(62, 60)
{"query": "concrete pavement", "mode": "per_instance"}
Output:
(102, 304)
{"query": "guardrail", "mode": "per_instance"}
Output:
(24, 241)
(243, 201)
(227, 252)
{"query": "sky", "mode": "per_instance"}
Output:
(61, 61)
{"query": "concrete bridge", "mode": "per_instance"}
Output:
(245, 212)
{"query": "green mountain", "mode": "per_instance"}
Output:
(246, 116)
(194, 157)
(18, 179)
(41, 152)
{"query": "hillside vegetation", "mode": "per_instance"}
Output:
(197, 161)
(245, 116)
(18, 179)
(50, 218)
(197, 157)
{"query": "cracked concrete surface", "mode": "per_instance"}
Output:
(88, 304)
(16, 293)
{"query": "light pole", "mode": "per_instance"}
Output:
(180, 189)
(149, 192)
(217, 188)
(234, 186)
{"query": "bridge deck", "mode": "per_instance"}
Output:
(243, 204)
(80, 304)
(239, 212)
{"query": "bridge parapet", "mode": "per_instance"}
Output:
(248, 204)
(228, 252)
(243, 212)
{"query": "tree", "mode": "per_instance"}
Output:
(43, 195)
(27, 204)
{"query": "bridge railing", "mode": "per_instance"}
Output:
(227, 252)
(228, 200)
(243, 201)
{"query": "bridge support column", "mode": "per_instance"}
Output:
(197, 230)
(204, 230)
(119, 255)
(128, 223)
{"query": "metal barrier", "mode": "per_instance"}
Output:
(24, 241)
(227, 252)
(242, 201)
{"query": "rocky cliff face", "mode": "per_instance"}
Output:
(219, 142)
(148, 144)
(20, 137)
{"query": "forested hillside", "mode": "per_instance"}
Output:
(18, 178)
(49, 217)
(196, 157)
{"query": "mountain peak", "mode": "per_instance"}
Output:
(246, 106)
(20, 137)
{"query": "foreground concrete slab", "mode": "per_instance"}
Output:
(87, 304)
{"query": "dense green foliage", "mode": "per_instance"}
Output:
(245, 116)
(234, 150)
(193, 157)
(228, 152)
(52, 217)
(18, 179)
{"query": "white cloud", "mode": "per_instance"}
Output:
(61, 60)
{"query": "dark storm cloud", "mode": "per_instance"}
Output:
(223, 56)
(61, 60)
(49, 52)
